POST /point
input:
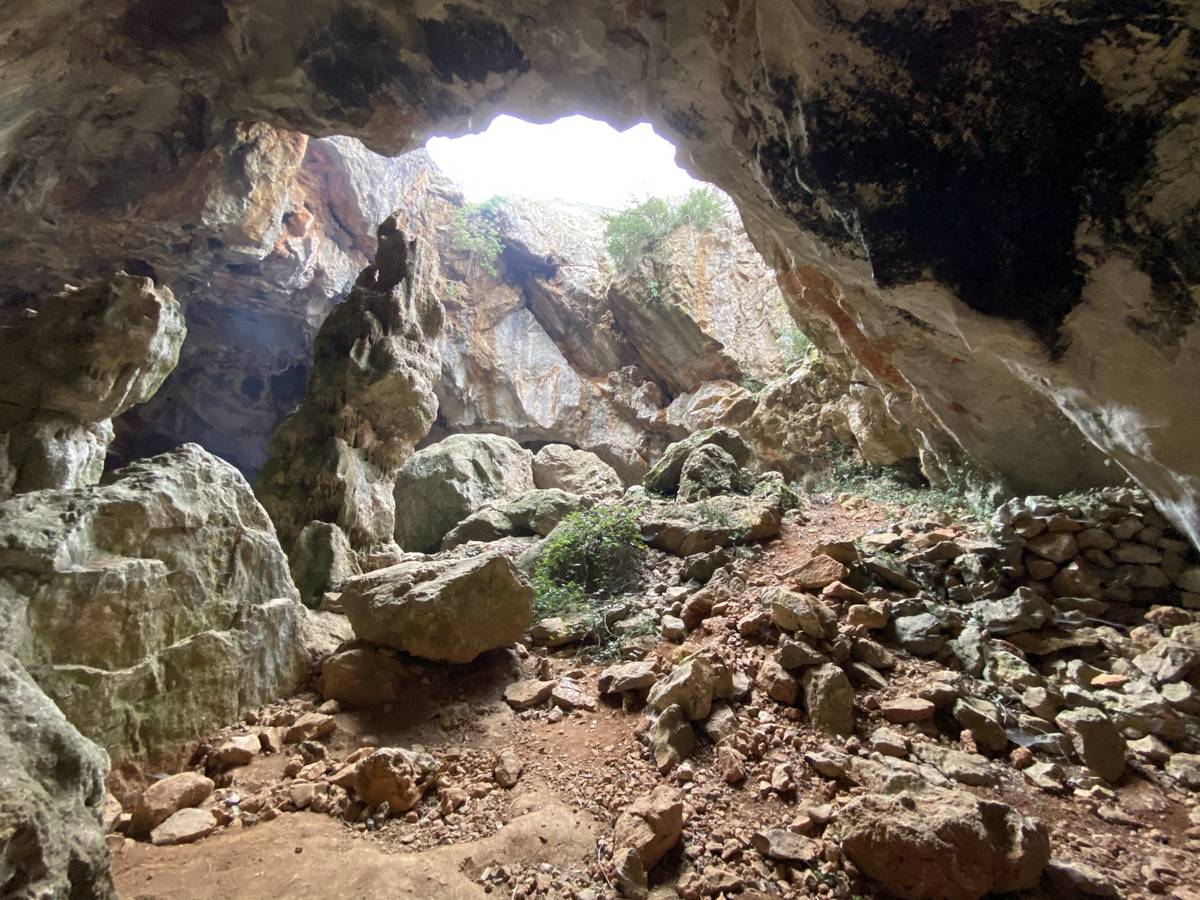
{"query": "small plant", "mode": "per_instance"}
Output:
(713, 514)
(475, 230)
(702, 209)
(633, 233)
(754, 385)
(593, 555)
(883, 486)
(794, 345)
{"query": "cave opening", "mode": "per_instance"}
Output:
(527, 554)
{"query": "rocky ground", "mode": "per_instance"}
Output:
(832, 715)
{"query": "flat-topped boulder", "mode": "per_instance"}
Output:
(448, 610)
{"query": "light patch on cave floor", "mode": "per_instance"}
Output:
(575, 158)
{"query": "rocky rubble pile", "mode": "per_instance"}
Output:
(933, 663)
(1112, 545)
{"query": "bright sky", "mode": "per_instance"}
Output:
(575, 158)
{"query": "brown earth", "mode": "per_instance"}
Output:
(549, 836)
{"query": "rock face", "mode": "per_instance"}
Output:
(52, 785)
(70, 366)
(1015, 271)
(264, 271)
(937, 843)
(441, 609)
(444, 483)
(532, 513)
(576, 472)
(369, 401)
(551, 347)
(321, 559)
(153, 608)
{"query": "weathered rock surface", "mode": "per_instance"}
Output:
(369, 401)
(321, 560)
(651, 825)
(441, 609)
(687, 528)
(534, 513)
(937, 843)
(51, 798)
(164, 798)
(153, 608)
(576, 472)
(71, 365)
(445, 483)
(263, 272)
(550, 347)
(664, 476)
(948, 289)
(395, 776)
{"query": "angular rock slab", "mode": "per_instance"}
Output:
(444, 483)
(946, 844)
(576, 472)
(153, 608)
(51, 798)
(686, 528)
(442, 610)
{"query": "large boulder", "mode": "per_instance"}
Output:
(533, 513)
(576, 472)
(686, 528)
(444, 483)
(945, 844)
(69, 367)
(708, 472)
(664, 475)
(153, 608)
(51, 798)
(441, 609)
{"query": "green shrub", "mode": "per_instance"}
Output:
(702, 209)
(633, 233)
(475, 230)
(592, 555)
(794, 345)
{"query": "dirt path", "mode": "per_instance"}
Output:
(539, 839)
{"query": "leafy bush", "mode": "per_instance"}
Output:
(633, 233)
(702, 209)
(475, 230)
(592, 555)
(794, 345)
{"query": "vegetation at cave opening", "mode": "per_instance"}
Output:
(475, 230)
(965, 497)
(633, 233)
(794, 345)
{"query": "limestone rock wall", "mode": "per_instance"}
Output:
(996, 200)
(369, 401)
(153, 608)
(51, 798)
(70, 365)
(252, 323)
(556, 346)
